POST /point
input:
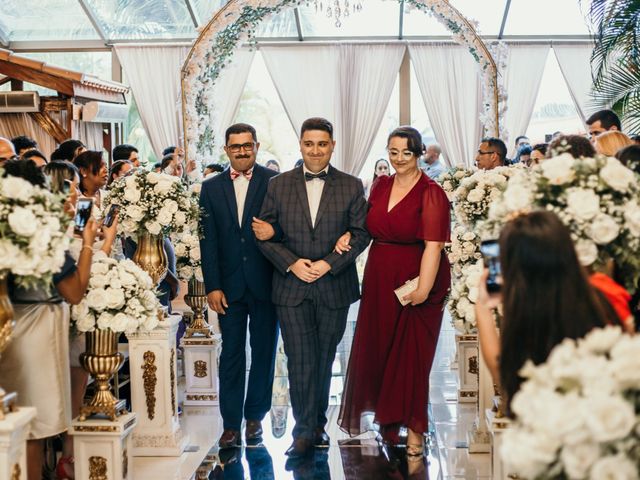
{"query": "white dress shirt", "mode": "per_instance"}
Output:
(314, 192)
(240, 187)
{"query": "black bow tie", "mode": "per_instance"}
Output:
(310, 176)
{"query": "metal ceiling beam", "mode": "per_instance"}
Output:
(504, 18)
(296, 15)
(401, 20)
(93, 19)
(193, 13)
(59, 45)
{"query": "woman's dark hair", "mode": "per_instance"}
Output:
(575, 145)
(375, 166)
(89, 160)
(115, 169)
(166, 161)
(58, 172)
(630, 157)
(216, 167)
(25, 169)
(67, 150)
(22, 142)
(34, 153)
(414, 139)
(546, 295)
(540, 147)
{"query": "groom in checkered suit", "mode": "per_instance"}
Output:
(313, 286)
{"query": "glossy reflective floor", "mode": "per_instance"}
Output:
(360, 458)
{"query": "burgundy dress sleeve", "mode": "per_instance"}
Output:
(435, 222)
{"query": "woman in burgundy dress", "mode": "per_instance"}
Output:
(394, 346)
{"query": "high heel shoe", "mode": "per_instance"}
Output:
(415, 452)
(61, 472)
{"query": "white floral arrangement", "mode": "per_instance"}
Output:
(478, 191)
(597, 198)
(450, 179)
(577, 413)
(187, 245)
(463, 250)
(120, 297)
(33, 228)
(464, 294)
(151, 202)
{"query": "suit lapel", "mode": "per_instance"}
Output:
(326, 195)
(230, 196)
(300, 186)
(254, 185)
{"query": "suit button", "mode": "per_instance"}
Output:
(244, 259)
(242, 240)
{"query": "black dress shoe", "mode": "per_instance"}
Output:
(301, 447)
(253, 430)
(321, 439)
(230, 439)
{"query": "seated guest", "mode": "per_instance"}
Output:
(575, 145)
(126, 152)
(546, 297)
(432, 166)
(119, 169)
(608, 143)
(23, 144)
(273, 164)
(523, 154)
(35, 363)
(36, 156)
(492, 153)
(7, 150)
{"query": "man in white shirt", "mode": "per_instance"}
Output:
(433, 167)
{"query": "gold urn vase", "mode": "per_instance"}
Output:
(196, 298)
(6, 327)
(151, 257)
(101, 360)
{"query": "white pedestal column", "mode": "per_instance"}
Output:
(102, 448)
(201, 369)
(497, 426)
(14, 429)
(467, 368)
(479, 438)
(154, 391)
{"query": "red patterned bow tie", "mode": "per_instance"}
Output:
(235, 174)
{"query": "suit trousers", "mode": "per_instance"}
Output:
(263, 337)
(311, 332)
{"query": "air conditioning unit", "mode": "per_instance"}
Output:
(102, 112)
(18, 102)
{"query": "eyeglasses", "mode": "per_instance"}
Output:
(480, 152)
(406, 154)
(236, 147)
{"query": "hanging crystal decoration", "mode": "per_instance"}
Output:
(340, 9)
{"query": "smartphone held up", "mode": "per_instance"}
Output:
(490, 250)
(84, 207)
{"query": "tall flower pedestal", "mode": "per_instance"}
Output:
(467, 368)
(497, 425)
(201, 369)
(102, 448)
(479, 437)
(154, 391)
(14, 428)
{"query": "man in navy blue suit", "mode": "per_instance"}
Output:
(237, 278)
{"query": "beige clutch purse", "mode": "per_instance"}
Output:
(406, 289)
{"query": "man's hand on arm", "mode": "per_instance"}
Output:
(262, 230)
(303, 269)
(217, 301)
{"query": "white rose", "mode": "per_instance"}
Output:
(135, 212)
(23, 221)
(185, 272)
(632, 218)
(154, 228)
(609, 417)
(558, 170)
(616, 175)
(476, 195)
(164, 217)
(104, 321)
(149, 300)
(180, 218)
(129, 225)
(617, 467)
(583, 203)
(199, 276)
(460, 174)
(180, 249)
(115, 298)
(603, 229)
(527, 454)
(587, 252)
(131, 181)
(86, 323)
(132, 194)
(447, 186)
(163, 187)
(97, 299)
(120, 322)
(97, 281)
(196, 188)
(150, 322)
(625, 361)
(171, 206)
(601, 340)
(132, 325)
(518, 196)
(473, 294)
(577, 459)
(17, 188)
(153, 177)
(195, 254)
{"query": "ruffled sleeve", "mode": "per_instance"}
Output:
(435, 224)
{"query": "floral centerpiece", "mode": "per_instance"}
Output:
(463, 250)
(120, 298)
(450, 179)
(151, 202)
(464, 294)
(33, 228)
(577, 413)
(597, 198)
(187, 244)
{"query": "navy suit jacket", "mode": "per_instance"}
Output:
(231, 260)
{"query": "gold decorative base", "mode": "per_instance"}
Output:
(196, 331)
(196, 298)
(110, 410)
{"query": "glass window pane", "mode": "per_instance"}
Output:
(132, 19)
(418, 23)
(546, 17)
(93, 63)
(488, 13)
(377, 18)
(207, 8)
(280, 25)
(45, 20)
(554, 110)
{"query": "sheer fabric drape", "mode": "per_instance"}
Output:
(15, 124)
(575, 65)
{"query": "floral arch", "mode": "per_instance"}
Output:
(236, 23)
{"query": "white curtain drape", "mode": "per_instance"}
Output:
(349, 84)
(575, 65)
(450, 85)
(153, 73)
(89, 133)
(16, 124)
(522, 77)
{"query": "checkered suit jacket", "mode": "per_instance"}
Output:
(342, 208)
